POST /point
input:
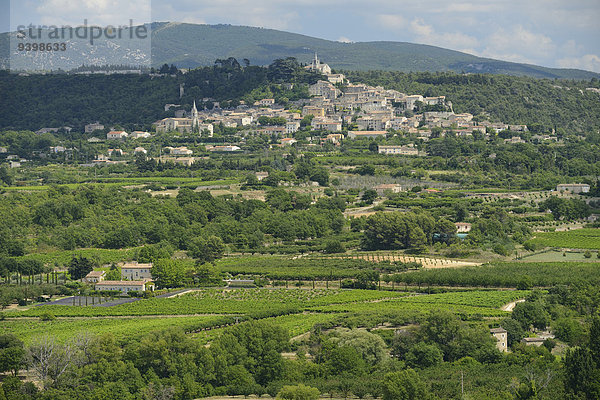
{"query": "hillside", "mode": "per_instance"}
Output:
(191, 45)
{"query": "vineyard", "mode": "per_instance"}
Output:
(122, 328)
(576, 239)
(426, 262)
(298, 310)
(508, 274)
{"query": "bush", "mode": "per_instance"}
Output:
(334, 246)
(299, 392)
(587, 254)
(47, 317)
(500, 249)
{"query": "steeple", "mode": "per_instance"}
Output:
(316, 60)
(194, 113)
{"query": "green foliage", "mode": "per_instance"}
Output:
(404, 385)
(80, 266)
(298, 392)
(575, 239)
(168, 273)
(206, 249)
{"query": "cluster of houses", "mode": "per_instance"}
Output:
(335, 104)
(135, 277)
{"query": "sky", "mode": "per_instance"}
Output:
(552, 33)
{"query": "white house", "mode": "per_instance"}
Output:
(89, 128)
(288, 141)
(136, 271)
(398, 150)
(575, 188)
(140, 150)
(117, 135)
(139, 134)
(180, 151)
(292, 127)
(94, 277)
(366, 134)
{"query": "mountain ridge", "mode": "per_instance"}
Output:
(192, 45)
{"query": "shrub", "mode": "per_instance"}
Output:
(47, 317)
(587, 254)
(299, 392)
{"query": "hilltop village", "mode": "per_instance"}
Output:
(332, 111)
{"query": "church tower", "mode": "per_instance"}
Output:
(194, 112)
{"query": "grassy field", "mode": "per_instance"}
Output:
(575, 239)
(560, 256)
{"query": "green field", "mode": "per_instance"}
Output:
(560, 256)
(27, 329)
(297, 310)
(577, 239)
(507, 274)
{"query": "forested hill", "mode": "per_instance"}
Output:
(190, 45)
(135, 101)
(193, 45)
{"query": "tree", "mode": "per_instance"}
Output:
(404, 385)
(12, 354)
(334, 246)
(80, 266)
(531, 314)
(423, 355)
(370, 346)
(114, 273)
(207, 249)
(369, 196)
(168, 273)
(581, 373)
(298, 392)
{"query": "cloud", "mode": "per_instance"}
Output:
(518, 45)
(344, 39)
(99, 12)
(392, 22)
(455, 40)
(590, 62)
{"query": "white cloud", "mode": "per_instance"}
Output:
(344, 39)
(454, 40)
(590, 62)
(392, 22)
(519, 45)
(96, 12)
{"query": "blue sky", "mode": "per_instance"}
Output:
(552, 33)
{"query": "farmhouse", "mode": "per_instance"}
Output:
(575, 188)
(116, 135)
(135, 272)
(501, 338)
(387, 187)
(125, 286)
(402, 150)
(462, 227)
(94, 277)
